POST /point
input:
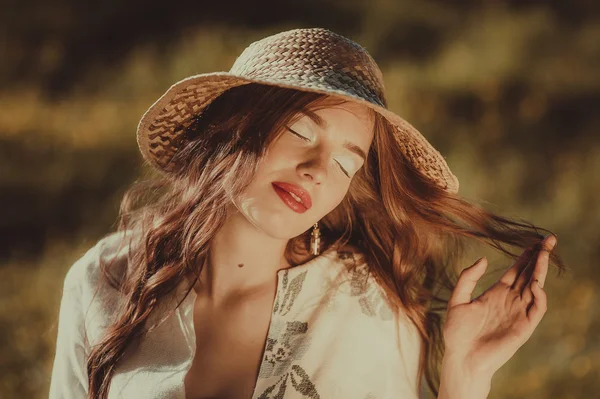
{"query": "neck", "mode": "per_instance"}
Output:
(243, 261)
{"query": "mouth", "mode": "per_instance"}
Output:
(297, 193)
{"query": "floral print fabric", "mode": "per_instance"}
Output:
(306, 299)
(332, 335)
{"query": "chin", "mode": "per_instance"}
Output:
(280, 230)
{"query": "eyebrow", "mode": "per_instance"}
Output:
(322, 123)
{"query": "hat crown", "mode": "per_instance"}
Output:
(316, 58)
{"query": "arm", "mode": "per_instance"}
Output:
(69, 374)
(457, 382)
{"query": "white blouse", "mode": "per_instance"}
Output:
(331, 335)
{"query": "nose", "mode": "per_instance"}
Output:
(315, 168)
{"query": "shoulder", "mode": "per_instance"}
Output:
(370, 299)
(84, 274)
(88, 293)
(359, 287)
(398, 337)
(357, 304)
(90, 296)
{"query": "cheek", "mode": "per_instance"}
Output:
(275, 158)
(277, 153)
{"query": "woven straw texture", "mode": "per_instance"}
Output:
(312, 59)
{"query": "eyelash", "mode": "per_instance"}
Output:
(306, 139)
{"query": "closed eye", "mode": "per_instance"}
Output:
(307, 139)
(343, 170)
(302, 137)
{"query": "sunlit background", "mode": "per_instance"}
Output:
(508, 91)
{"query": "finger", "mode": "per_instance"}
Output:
(541, 267)
(513, 272)
(527, 294)
(525, 276)
(539, 306)
(467, 282)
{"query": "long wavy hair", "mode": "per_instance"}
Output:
(410, 231)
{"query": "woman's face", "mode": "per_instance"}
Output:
(319, 159)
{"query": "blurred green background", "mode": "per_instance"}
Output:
(508, 91)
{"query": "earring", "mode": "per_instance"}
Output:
(315, 239)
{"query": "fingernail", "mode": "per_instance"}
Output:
(548, 238)
(478, 260)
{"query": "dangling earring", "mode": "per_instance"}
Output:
(315, 239)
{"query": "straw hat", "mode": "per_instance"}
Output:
(312, 59)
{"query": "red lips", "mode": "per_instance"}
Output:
(296, 190)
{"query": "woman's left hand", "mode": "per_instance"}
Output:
(487, 331)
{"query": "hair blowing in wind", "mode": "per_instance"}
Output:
(410, 231)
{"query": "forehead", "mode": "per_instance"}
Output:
(353, 119)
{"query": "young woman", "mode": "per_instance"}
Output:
(295, 245)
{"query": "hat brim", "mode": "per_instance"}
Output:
(163, 122)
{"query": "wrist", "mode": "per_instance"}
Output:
(458, 380)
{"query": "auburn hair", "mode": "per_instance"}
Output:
(410, 231)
